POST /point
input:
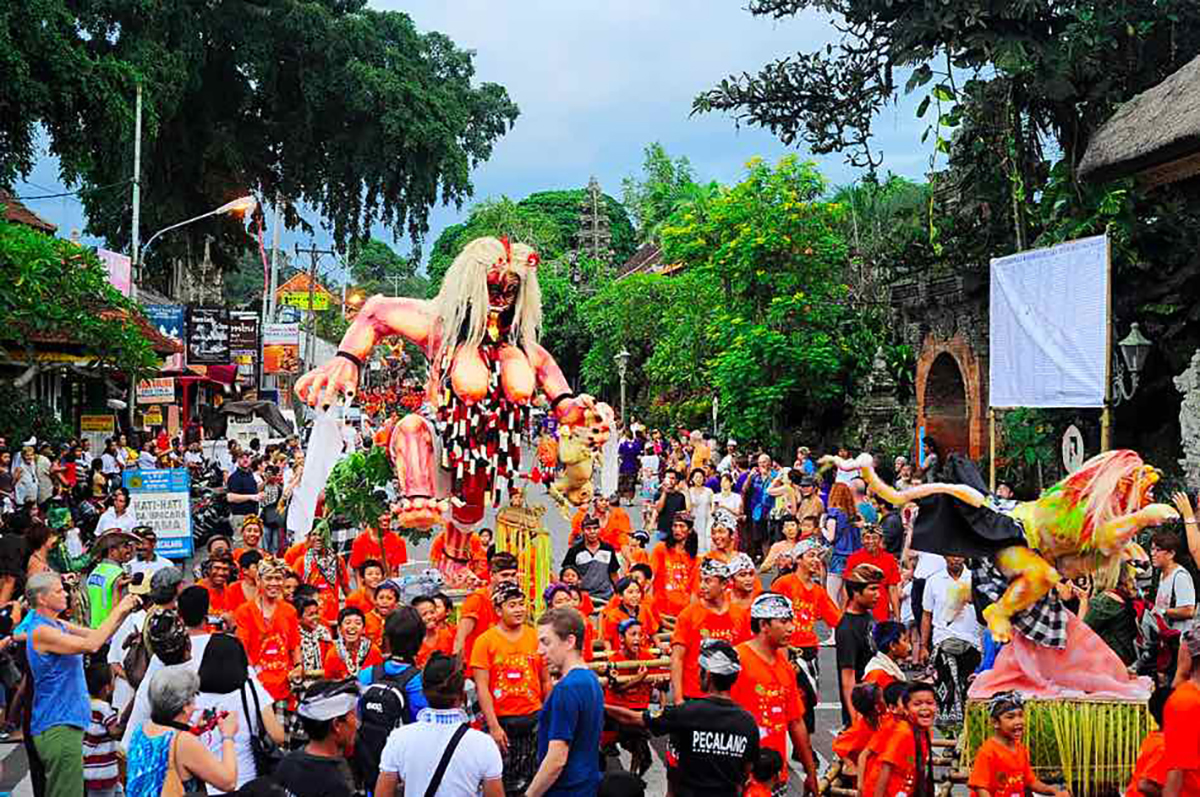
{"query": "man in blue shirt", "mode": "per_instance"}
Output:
(572, 717)
(757, 504)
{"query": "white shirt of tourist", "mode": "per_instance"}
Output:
(413, 751)
(232, 702)
(1180, 582)
(726, 464)
(108, 463)
(928, 564)
(193, 457)
(122, 691)
(702, 500)
(731, 502)
(141, 700)
(951, 618)
(146, 461)
(151, 567)
(111, 520)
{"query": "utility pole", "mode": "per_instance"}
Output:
(395, 279)
(315, 254)
(135, 269)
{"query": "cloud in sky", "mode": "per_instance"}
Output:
(596, 83)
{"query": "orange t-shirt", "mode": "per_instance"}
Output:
(366, 546)
(329, 592)
(894, 743)
(852, 741)
(1150, 763)
(362, 599)
(891, 576)
(373, 626)
(442, 639)
(476, 554)
(870, 767)
(335, 665)
(675, 578)
(636, 555)
(514, 670)
(1181, 724)
(586, 607)
(234, 597)
(809, 603)
(217, 604)
(756, 789)
(477, 607)
(1002, 771)
(879, 678)
(293, 553)
(613, 615)
(269, 646)
(237, 554)
(697, 623)
(635, 698)
(767, 689)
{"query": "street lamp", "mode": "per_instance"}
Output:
(622, 360)
(242, 205)
(1135, 348)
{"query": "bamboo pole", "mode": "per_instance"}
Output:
(649, 664)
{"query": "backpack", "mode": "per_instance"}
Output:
(136, 658)
(382, 707)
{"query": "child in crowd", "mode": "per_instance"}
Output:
(101, 774)
(849, 745)
(1002, 765)
(782, 550)
(891, 642)
(1149, 770)
(764, 774)
(907, 568)
(899, 758)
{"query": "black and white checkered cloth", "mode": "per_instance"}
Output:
(1044, 623)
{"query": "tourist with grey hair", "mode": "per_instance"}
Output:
(61, 705)
(165, 757)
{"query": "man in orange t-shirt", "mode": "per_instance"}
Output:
(675, 568)
(710, 617)
(1181, 722)
(744, 585)
(246, 587)
(321, 567)
(873, 552)
(216, 581)
(766, 686)
(511, 681)
(392, 553)
(477, 613)
(270, 632)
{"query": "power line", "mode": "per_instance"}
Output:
(76, 193)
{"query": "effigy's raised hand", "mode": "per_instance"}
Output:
(323, 384)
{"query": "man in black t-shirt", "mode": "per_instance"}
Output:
(329, 714)
(714, 740)
(671, 499)
(853, 634)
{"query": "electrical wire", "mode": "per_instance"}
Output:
(76, 193)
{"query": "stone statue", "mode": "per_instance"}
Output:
(1188, 383)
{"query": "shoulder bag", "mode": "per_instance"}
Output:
(436, 781)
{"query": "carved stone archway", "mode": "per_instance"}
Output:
(950, 401)
(945, 320)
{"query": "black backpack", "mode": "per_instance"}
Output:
(382, 707)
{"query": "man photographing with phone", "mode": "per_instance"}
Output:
(61, 706)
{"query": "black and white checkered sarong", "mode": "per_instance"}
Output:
(1044, 623)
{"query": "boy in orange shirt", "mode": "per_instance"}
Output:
(370, 575)
(477, 613)
(848, 745)
(634, 695)
(1148, 771)
(901, 760)
(437, 638)
(710, 617)
(511, 681)
(764, 774)
(367, 545)
(1002, 767)
(352, 650)
(744, 585)
(811, 602)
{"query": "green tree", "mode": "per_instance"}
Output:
(56, 287)
(787, 340)
(662, 186)
(563, 208)
(352, 112)
(377, 268)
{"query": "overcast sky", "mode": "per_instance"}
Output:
(597, 82)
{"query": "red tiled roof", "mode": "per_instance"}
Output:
(17, 213)
(161, 343)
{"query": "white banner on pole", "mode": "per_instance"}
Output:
(1049, 322)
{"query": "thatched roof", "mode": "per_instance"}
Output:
(1155, 136)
